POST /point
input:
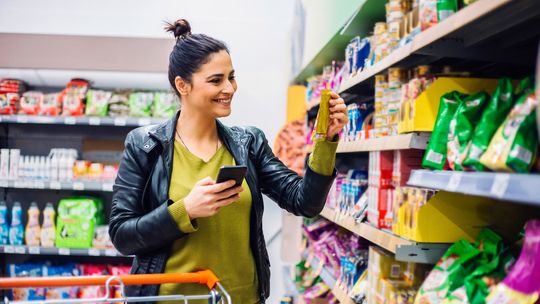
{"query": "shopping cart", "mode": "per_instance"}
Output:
(205, 277)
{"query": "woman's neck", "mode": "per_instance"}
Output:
(193, 126)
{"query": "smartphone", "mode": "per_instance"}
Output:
(237, 173)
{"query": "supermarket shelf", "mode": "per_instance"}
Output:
(523, 188)
(405, 250)
(360, 23)
(399, 142)
(84, 120)
(55, 185)
(9, 249)
(469, 34)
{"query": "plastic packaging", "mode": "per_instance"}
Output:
(76, 220)
(446, 8)
(48, 230)
(435, 156)
(4, 226)
(165, 105)
(29, 103)
(493, 116)
(521, 284)
(50, 105)
(33, 229)
(16, 229)
(514, 145)
(462, 127)
(97, 102)
(140, 104)
(73, 97)
(27, 270)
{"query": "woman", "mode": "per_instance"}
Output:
(170, 213)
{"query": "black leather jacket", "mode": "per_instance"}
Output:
(140, 224)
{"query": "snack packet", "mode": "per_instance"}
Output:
(462, 127)
(140, 104)
(514, 145)
(435, 157)
(165, 105)
(73, 97)
(97, 102)
(521, 285)
(50, 105)
(29, 103)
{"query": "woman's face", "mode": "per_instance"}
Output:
(212, 86)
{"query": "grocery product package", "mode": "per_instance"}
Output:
(514, 146)
(97, 102)
(521, 285)
(449, 273)
(323, 117)
(29, 103)
(76, 220)
(62, 270)
(10, 93)
(494, 114)
(50, 105)
(119, 104)
(462, 127)
(165, 105)
(73, 97)
(92, 292)
(26, 270)
(140, 104)
(435, 156)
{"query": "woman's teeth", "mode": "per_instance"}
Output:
(222, 100)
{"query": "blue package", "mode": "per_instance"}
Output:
(4, 226)
(362, 53)
(26, 270)
(16, 230)
(63, 270)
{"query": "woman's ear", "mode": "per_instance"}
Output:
(182, 86)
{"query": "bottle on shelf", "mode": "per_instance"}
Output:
(48, 230)
(16, 229)
(4, 226)
(33, 229)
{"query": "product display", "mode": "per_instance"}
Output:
(77, 218)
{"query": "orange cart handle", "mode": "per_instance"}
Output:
(205, 277)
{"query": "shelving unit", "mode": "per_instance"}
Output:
(523, 188)
(82, 121)
(405, 250)
(30, 250)
(399, 142)
(471, 34)
(55, 185)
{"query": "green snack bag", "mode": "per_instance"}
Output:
(462, 126)
(449, 273)
(525, 87)
(140, 104)
(165, 104)
(435, 156)
(498, 107)
(514, 146)
(97, 103)
(75, 222)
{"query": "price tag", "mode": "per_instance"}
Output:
(55, 185)
(500, 184)
(309, 259)
(39, 185)
(94, 121)
(93, 252)
(64, 251)
(20, 250)
(111, 252)
(454, 181)
(22, 119)
(78, 186)
(144, 121)
(4, 184)
(107, 187)
(9, 249)
(34, 250)
(19, 184)
(70, 120)
(120, 121)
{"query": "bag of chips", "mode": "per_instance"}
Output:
(496, 111)
(97, 102)
(462, 127)
(29, 103)
(50, 105)
(435, 156)
(140, 104)
(165, 105)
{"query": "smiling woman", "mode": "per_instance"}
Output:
(168, 210)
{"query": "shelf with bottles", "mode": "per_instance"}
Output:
(469, 34)
(58, 171)
(79, 104)
(54, 251)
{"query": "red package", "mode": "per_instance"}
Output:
(50, 105)
(380, 169)
(73, 97)
(29, 103)
(404, 162)
(8, 103)
(380, 201)
(90, 292)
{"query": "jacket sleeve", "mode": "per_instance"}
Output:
(301, 196)
(134, 229)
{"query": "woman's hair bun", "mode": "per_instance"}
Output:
(180, 28)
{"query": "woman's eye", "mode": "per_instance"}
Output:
(232, 77)
(216, 81)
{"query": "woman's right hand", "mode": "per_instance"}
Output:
(207, 197)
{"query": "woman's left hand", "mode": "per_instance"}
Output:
(338, 116)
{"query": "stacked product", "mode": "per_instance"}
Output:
(479, 132)
(360, 116)
(64, 270)
(380, 189)
(330, 79)
(346, 192)
(77, 99)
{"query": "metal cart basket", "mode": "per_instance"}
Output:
(205, 277)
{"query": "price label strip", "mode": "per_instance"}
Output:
(20, 249)
(78, 186)
(9, 249)
(64, 251)
(500, 184)
(94, 121)
(55, 185)
(119, 122)
(34, 250)
(93, 252)
(453, 183)
(70, 120)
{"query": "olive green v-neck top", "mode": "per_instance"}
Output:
(220, 242)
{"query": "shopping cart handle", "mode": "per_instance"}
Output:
(204, 277)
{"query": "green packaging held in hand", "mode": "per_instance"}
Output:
(435, 156)
(496, 111)
(462, 127)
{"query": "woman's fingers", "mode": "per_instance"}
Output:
(227, 201)
(228, 193)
